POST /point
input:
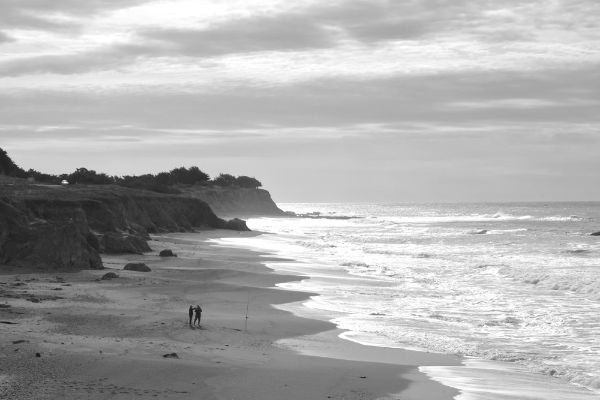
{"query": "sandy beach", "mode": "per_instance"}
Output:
(75, 336)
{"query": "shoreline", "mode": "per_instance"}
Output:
(346, 295)
(100, 338)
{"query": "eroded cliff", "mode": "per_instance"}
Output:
(55, 227)
(60, 239)
(235, 201)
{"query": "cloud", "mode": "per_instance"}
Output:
(41, 14)
(263, 33)
(105, 58)
(4, 38)
(383, 20)
(495, 166)
(485, 99)
(371, 21)
(391, 36)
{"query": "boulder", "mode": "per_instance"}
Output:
(170, 355)
(595, 234)
(167, 253)
(109, 275)
(236, 224)
(139, 267)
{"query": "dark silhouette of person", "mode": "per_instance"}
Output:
(191, 312)
(198, 311)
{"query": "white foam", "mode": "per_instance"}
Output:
(457, 218)
(523, 292)
(487, 380)
(504, 231)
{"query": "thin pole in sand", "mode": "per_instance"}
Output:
(246, 321)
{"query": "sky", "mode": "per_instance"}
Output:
(344, 100)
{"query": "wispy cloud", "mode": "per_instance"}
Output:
(54, 15)
(104, 58)
(492, 98)
(5, 38)
(427, 36)
(263, 33)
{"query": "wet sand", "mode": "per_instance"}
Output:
(105, 339)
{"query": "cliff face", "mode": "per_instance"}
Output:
(234, 201)
(67, 227)
(61, 240)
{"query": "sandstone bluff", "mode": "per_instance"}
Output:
(66, 228)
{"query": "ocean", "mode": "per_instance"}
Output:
(514, 288)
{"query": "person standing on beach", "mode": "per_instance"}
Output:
(198, 311)
(191, 313)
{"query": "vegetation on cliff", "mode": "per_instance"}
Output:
(8, 167)
(162, 182)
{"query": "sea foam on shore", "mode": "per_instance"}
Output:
(522, 291)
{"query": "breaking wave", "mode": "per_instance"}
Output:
(517, 286)
(582, 282)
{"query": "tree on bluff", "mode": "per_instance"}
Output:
(8, 167)
(160, 183)
(224, 180)
(45, 178)
(163, 178)
(163, 182)
(188, 176)
(197, 176)
(247, 182)
(241, 181)
(91, 177)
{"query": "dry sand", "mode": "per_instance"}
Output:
(105, 339)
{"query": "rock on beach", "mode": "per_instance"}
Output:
(139, 267)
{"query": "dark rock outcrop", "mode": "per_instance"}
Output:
(139, 267)
(170, 355)
(61, 240)
(595, 233)
(167, 253)
(109, 275)
(236, 224)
